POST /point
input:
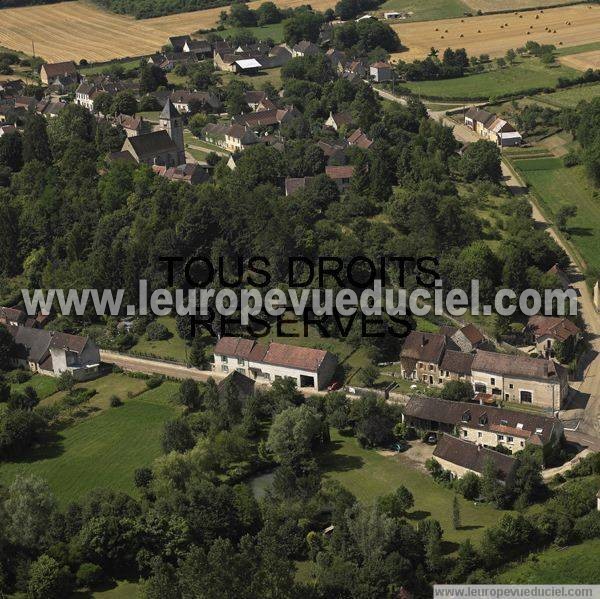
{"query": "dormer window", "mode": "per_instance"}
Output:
(520, 425)
(504, 422)
(466, 417)
(539, 431)
(483, 419)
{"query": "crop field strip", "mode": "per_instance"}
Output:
(494, 34)
(76, 30)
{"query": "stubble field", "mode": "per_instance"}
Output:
(582, 61)
(494, 34)
(76, 30)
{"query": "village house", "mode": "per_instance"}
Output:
(50, 71)
(268, 118)
(308, 367)
(334, 150)
(242, 62)
(49, 109)
(190, 173)
(381, 72)
(185, 101)
(337, 58)
(547, 330)
(294, 184)
(12, 316)
(518, 378)
(6, 129)
(491, 127)
(214, 133)
(167, 61)
(202, 49)
(165, 146)
(132, 125)
(52, 353)
(338, 120)
(341, 176)
(304, 48)
(177, 42)
(485, 425)
(85, 94)
(360, 139)
(421, 357)
(460, 456)
(239, 137)
(561, 275)
(354, 70)
(468, 338)
(242, 385)
(254, 98)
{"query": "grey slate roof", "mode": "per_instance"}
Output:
(153, 143)
(169, 111)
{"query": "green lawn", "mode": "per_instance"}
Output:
(429, 10)
(173, 348)
(523, 76)
(555, 185)
(103, 451)
(44, 385)
(150, 115)
(272, 76)
(121, 385)
(369, 474)
(574, 565)
(274, 32)
(123, 590)
(128, 65)
(569, 98)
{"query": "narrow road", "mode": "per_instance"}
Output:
(584, 400)
(147, 366)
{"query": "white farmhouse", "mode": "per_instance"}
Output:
(310, 368)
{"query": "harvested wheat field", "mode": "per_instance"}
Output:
(582, 61)
(491, 6)
(494, 34)
(76, 30)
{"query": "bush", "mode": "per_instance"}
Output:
(115, 401)
(89, 575)
(571, 159)
(156, 331)
(156, 380)
(469, 486)
(65, 381)
(142, 477)
(18, 376)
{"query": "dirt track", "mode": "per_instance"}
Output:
(494, 34)
(76, 30)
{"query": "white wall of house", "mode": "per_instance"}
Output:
(269, 372)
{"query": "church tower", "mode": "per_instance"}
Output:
(171, 122)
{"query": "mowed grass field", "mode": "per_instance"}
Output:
(554, 185)
(574, 565)
(569, 98)
(369, 474)
(79, 29)
(102, 451)
(494, 34)
(526, 74)
(429, 10)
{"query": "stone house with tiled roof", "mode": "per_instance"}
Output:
(460, 456)
(308, 367)
(50, 71)
(53, 352)
(521, 379)
(546, 331)
(488, 426)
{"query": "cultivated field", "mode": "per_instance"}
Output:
(499, 5)
(494, 34)
(76, 30)
(582, 61)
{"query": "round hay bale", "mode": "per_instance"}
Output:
(560, 43)
(479, 31)
(445, 31)
(537, 16)
(528, 33)
(441, 37)
(436, 29)
(520, 16)
(461, 35)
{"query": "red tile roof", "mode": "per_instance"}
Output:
(557, 327)
(339, 172)
(276, 354)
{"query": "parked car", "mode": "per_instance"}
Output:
(431, 439)
(334, 386)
